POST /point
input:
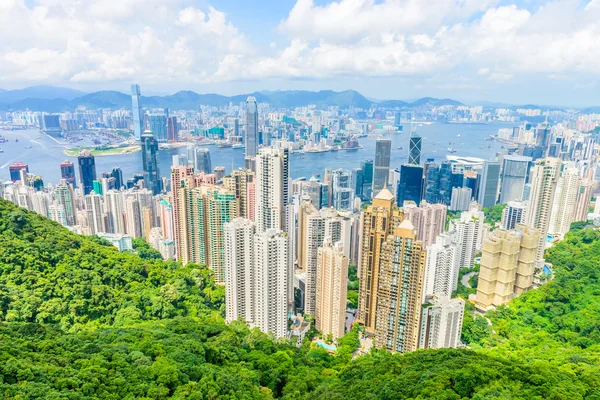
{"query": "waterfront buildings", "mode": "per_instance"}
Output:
(136, 108)
(67, 173)
(150, 169)
(87, 170)
(251, 127)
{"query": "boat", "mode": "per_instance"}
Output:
(458, 135)
(1, 151)
(28, 147)
(399, 147)
(224, 145)
(238, 146)
(450, 150)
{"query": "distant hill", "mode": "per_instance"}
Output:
(38, 92)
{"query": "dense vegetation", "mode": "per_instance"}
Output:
(493, 214)
(352, 293)
(80, 320)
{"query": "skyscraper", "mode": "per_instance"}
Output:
(67, 172)
(117, 173)
(241, 182)
(468, 234)
(513, 214)
(15, 170)
(414, 152)
(378, 222)
(565, 201)
(332, 276)
(544, 180)
(136, 110)
(410, 186)
(87, 170)
(514, 176)
(94, 209)
(251, 127)
(367, 190)
(461, 198)
(583, 200)
(400, 290)
(272, 188)
(202, 161)
(441, 267)
(488, 184)
(158, 126)
(64, 205)
(152, 179)
(381, 170)
(342, 194)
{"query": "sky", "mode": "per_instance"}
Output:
(517, 52)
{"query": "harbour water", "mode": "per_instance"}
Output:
(43, 154)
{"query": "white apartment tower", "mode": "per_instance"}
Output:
(441, 268)
(272, 189)
(565, 202)
(441, 323)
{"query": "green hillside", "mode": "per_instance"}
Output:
(79, 320)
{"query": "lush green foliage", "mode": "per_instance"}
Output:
(352, 294)
(493, 214)
(79, 320)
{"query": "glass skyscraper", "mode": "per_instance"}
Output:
(410, 186)
(515, 170)
(87, 170)
(488, 184)
(251, 127)
(414, 152)
(150, 163)
(367, 176)
(67, 172)
(381, 170)
(158, 126)
(136, 109)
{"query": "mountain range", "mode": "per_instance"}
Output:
(57, 99)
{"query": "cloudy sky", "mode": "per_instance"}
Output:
(526, 51)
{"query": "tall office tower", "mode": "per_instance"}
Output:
(115, 210)
(379, 220)
(584, 196)
(152, 179)
(565, 202)
(272, 281)
(332, 277)
(158, 126)
(397, 119)
(272, 188)
(488, 184)
(400, 291)
(118, 175)
(87, 170)
(441, 323)
(441, 268)
(133, 217)
(67, 172)
(240, 285)
(428, 219)
(513, 214)
(544, 179)
(172, 129)
(64, 201)
(410, 186)
(357, 182)
(241, 183)
(381, 169)
(180, 176)
(515, 170)
(202, 160)
(461, 198)
(316, 127)
(95, 213)
(445, 183)
(431, 174)
(15, 170)
(507, 264)
(468, 234)
(251, 127)
(236, 127)
(342, 189)
(136, 111)
(414, 149)
(367, 190)
(542, 134)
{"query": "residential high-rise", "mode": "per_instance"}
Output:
(400, 290)
(379, 220)
(87, 170)
(544, 180)
(441, 267)
(410, 186)
(251, 127)
(381, 170)
(461, 198)
(115, 210)
(242, 183)
(64, 205)
(332, 277)
(272, 188)
(584, 197)
(441, 323)
(158, 126)
(152, 179)
(133, 217)
(507, 265)
(136, 111)
(515, 170)
(181, 176)
(468, 234)
(428, 219)
(67, 172)
(488, 184)
(172, 129)
(118, 175)
(565, 202)
(513, 214)
(414, 151)
(94, 209)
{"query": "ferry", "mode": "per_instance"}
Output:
(450, 150)
(238, 146)
(223, 145)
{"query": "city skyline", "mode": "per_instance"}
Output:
(464, 50)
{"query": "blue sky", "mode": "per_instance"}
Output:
(528, 51)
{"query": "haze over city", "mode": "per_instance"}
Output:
(517, 52)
